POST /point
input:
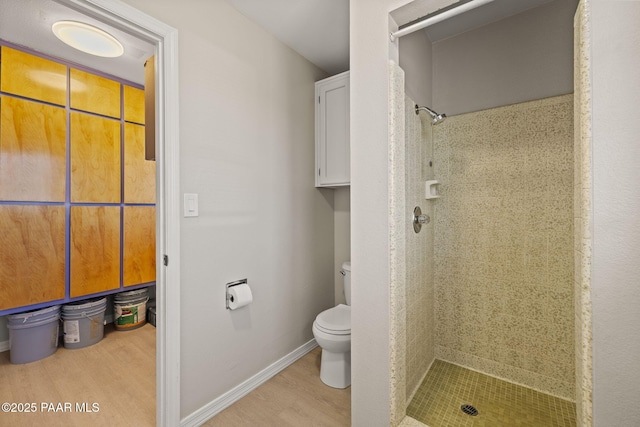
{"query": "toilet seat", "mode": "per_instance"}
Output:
(335, 321)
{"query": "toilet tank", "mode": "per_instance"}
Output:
(346, 275)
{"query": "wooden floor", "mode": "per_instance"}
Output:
(118, 374)
(120, 378)
(294, 397)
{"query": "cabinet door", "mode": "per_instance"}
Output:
(33, 77)
(32, 254)
(95, 94)
(95, 159)
(95, 249)
(32, 151)
(139, 174)
(332, 132)
(133, 104)
(139, 244)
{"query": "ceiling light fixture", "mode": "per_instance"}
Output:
(88, 39)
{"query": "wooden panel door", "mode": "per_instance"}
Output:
(33, 77)
(133, 104)
(139, 244)
(95, 159)
(95, 249)
(32, 151)
(95, 94)
(139, 174)
(32, 254)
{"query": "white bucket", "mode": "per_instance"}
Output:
(83, 323)
(129, 309)
(33, 335)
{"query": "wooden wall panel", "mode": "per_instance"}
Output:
(32, 254)
(139, 174)
(95, 249)
(33, 77)
(133, 104)
(139, 244)
(95, 159)
(95, 94)
(32, 151)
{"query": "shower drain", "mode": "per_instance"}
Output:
(469, 410)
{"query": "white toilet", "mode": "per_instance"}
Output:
(332, 330)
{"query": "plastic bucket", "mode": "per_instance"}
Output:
(33, 335)
(83, 323)
(129, 309)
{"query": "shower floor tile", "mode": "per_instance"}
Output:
(499, 403)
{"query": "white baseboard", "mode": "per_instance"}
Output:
(4, 346)
(209, 410)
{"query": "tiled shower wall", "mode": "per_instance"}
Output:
(503, 258)
(397, 238)
(582, 217)
(411, 255)
(419, 293)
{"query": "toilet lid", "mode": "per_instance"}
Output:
(336, 320)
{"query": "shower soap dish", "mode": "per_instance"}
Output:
(430, 190)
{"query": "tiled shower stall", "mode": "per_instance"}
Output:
(498, 281)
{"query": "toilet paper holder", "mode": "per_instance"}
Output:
(229, 286)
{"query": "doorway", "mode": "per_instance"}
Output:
(164, 38)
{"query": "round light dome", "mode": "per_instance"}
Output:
(88, 39)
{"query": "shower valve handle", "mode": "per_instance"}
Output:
(423, 219)
(419, 218)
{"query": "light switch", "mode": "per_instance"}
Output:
(190, 204)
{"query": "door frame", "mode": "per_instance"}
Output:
(165, 39)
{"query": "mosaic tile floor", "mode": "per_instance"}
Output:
(499, 403)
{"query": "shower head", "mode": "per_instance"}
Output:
(435, 117)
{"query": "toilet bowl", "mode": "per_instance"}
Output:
(332, 331)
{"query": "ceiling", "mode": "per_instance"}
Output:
(319, 29)
(316, 29)
(28, 23)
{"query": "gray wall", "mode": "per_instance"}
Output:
(341, 237)
(260, 215)
(615, 50)
(525, 57)
(370, 312)
(416, 62)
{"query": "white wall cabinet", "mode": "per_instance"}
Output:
(332, 131)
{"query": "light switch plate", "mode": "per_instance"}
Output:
(190, 204)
